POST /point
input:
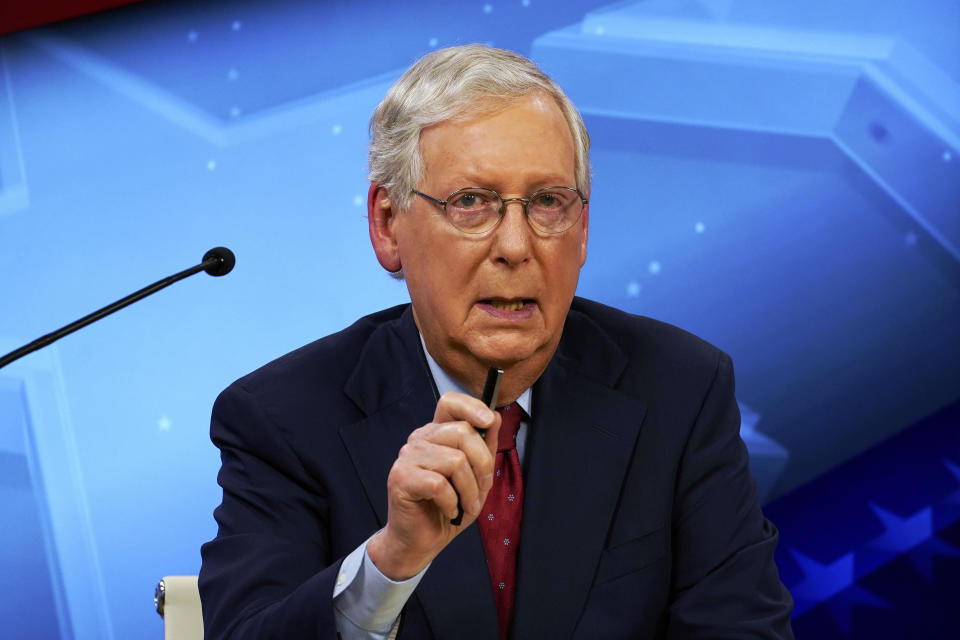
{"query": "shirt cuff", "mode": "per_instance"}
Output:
(366, 598)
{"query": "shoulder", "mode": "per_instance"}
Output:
(659, 363)
(642, 340)
(311, 372)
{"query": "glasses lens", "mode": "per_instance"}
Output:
(555, 209)
(473, 210)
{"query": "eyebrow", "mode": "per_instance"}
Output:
(553, 181)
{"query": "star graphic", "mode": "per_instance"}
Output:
(748, 419)
(164, 423)
(954, 469)
(902, 534)
(820, 581)
(922, 555)
(841, 606)
(831, 584)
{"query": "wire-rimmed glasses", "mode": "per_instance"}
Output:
(478, 210)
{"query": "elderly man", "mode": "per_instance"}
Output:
(608, 498)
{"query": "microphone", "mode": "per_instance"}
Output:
(219, 261)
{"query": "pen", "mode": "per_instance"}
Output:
(491, 389)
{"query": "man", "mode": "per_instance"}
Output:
(345, 463)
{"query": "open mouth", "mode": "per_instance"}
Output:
(508, 305)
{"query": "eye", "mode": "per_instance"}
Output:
(547, 200)
(470, 200)
(464, 200)
(551, 201)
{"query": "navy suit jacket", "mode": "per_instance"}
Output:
(640, 517)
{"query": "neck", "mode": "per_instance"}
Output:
(471, 373)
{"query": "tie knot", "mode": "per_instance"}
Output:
(510, 415)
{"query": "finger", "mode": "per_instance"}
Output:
(454, 406)
(426, 485)
(450, 462)
(461, 435)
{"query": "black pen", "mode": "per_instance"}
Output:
(491, 389)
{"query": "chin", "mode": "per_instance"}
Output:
(505, 351)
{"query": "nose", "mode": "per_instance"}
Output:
(512, 243)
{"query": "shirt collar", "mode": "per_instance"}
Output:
(447, 383)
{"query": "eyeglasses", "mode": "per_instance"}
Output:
(476, 210)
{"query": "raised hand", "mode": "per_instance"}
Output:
(440, 460)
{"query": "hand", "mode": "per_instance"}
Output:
(440, 460)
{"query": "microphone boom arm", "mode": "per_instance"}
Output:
(216, 262)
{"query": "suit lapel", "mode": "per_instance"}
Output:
(581, 443)
(394, 391)
(392, 386)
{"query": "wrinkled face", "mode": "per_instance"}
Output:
(500, 298)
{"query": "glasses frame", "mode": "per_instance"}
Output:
(503, 208)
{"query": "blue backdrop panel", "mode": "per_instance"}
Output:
(783, 180)
(890, 570)
(25, 547)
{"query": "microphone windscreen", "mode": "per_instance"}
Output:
(224, 261)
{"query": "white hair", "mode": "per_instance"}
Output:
(449, 84)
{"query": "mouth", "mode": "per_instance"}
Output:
(508, 306)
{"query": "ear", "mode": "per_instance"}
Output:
(380, 217)
(584, 224)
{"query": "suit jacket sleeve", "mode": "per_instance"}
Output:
(725, 582)
(268, 573)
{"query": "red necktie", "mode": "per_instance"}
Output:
(499, 521)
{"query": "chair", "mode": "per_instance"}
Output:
(177, 599)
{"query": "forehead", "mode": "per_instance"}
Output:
(526, 140)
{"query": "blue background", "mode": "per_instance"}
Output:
(780, 178)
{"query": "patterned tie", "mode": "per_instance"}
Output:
(499, 521)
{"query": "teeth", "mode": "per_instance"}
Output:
(512, 305)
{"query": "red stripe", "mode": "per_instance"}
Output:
(16, 15)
